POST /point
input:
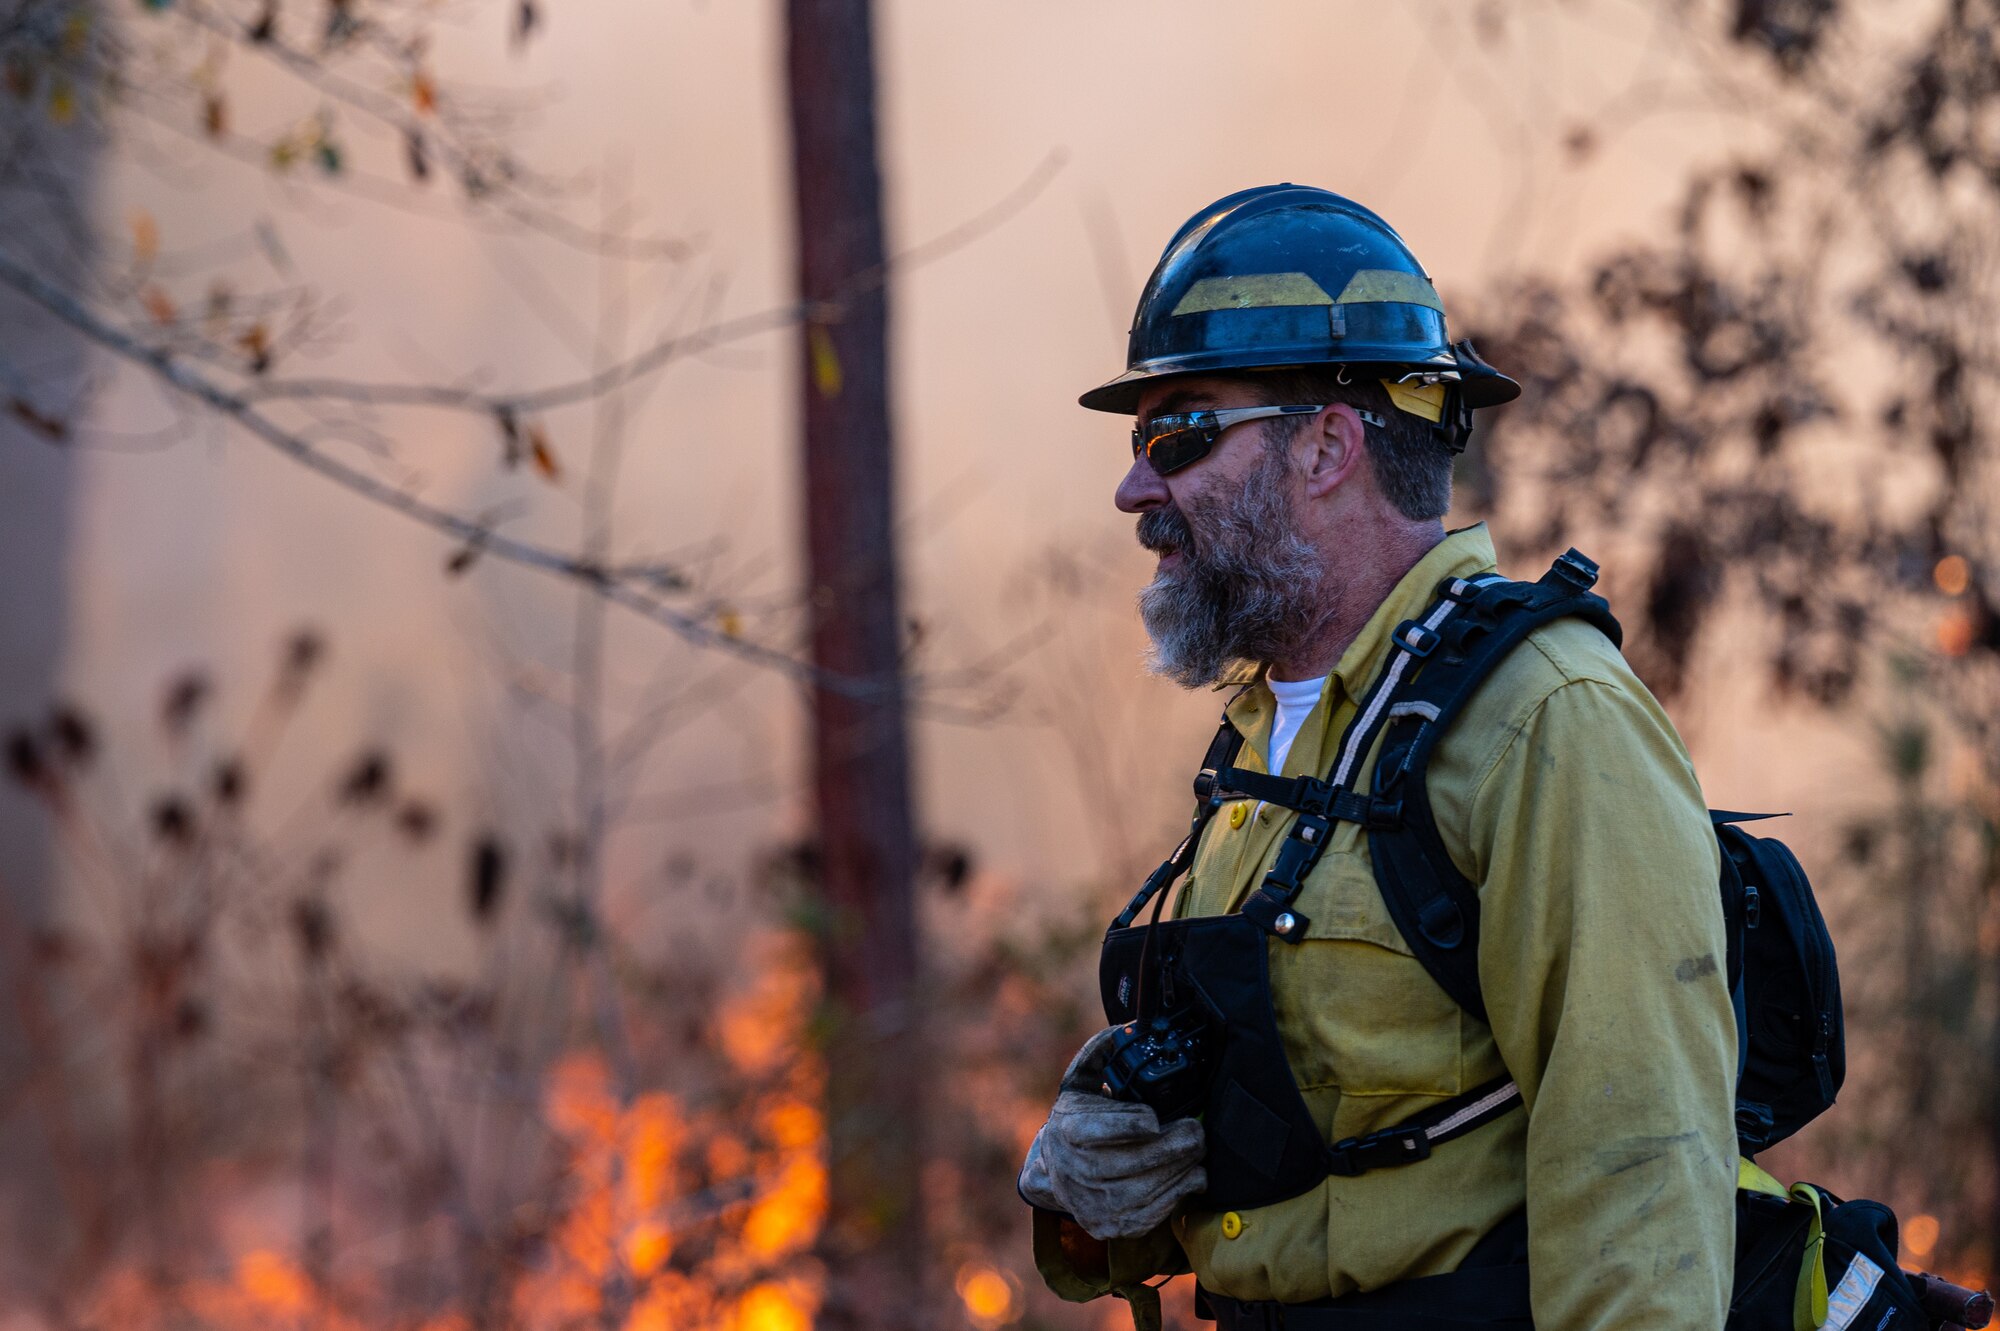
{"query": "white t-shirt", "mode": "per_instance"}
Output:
(1295, 699)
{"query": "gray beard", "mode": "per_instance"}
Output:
(1248, 587)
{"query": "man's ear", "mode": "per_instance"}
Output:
(1335, 443)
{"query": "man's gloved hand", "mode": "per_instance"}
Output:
(1109, 1163)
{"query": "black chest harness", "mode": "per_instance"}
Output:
(1263, 1144)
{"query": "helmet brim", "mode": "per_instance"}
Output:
(1481, 385)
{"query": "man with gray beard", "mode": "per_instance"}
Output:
(1248, 591)
(1296, 1110)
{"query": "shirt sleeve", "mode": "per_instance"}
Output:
(1602, 959)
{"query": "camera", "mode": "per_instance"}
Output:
(1162, 1061)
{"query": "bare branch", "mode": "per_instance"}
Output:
(669, 349)
(596, 576)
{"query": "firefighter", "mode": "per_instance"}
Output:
(1297, 407)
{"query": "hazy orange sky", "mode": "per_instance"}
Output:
(1449, 119)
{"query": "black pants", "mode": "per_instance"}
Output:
(1489, 1291)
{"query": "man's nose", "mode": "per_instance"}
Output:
(1142, 489)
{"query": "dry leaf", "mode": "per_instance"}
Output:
(48, 427)
(825, 360)
(256, 344)
(214, 117)
(158, 304)
(20, 78)
(463, 558)
(544, 458)
(216, 316)
(730, 623)
(510, 437)
(145, 236)
(423, 93)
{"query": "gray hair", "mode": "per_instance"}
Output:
(1411, 465)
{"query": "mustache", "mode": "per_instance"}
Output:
(1165, 531)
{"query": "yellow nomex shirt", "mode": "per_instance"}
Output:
(1565, 794)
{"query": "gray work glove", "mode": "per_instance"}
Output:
(1109, 1163)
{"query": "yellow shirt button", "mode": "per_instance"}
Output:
(1232, 1225)
(1237, 814)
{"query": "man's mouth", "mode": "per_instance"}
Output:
(1165, 534)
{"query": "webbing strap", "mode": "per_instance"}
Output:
(1412, 1139)
(1413, 641)
(1809, 1297)
(1301, 794)
(1434, 907)
(1751, 1177)
(1809, 1301)
(1319, 804)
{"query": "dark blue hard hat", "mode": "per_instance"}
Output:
(1287, 275)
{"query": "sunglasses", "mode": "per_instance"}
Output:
(1184, 438)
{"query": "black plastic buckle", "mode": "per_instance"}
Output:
(1576, 569)
(1411, 637)
(1385, 815)
(1204, 784)
(1378, 1150)
(1310, 795)
(1299, 853)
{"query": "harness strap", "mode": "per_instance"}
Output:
(1321, 803)
(1413, 1138)
(1434, 907)
(1304, 794)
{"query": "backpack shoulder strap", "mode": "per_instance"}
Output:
(1433, 905)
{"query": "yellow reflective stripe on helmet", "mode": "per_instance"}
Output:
(1252, 291)
(1809, 1303)
(1750, 1177)
(1425, 400)
(1379, 284)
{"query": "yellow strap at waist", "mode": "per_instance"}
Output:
(1809, 1299)
(1809, 1302)
(1750, 1177)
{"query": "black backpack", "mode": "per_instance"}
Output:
(1804, 1257)
(1781, 971)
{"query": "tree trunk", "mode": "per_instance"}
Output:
(873, 1242)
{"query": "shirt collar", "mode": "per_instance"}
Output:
(1461, 554)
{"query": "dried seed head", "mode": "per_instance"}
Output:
(416, 820)
(488, 879)
(74, 735)
(229, 782)
(312, 924)
(367, 782)
(185, 695)
(304, 651)
(173, 821)
(24, 760)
